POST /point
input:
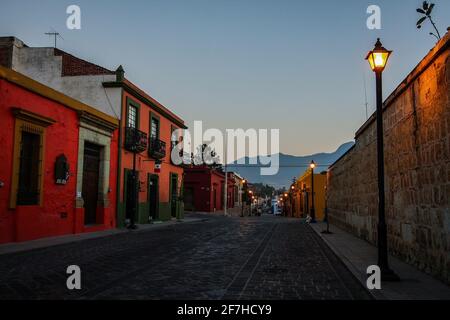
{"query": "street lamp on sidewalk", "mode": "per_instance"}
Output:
(377, 59)
(312, 165)
(243, 192)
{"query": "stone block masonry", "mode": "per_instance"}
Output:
(417, 167)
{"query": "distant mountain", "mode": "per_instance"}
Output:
(290, 167)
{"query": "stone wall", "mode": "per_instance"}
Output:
(417, 168)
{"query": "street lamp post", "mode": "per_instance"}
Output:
(242, 197)
(313, 209)
(377, 59)
(134, 195)
(292, 198)
(327, 219)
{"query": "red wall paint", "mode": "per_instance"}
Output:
(199, 180)
(203, 181)
(31, 222)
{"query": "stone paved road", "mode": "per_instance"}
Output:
(220, 258)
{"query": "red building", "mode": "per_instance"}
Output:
(204, 189)
(59, 158)
(155, 192)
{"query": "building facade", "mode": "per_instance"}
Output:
(159, 187)
(299, 200)
(238, 189)
(160, 182)
(58, 162)
(204, 189)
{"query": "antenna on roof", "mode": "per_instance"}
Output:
(55, 34)
(365, 96)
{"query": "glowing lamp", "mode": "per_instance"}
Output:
(378, 57)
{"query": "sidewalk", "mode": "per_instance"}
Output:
(54, 241)
(358, 254)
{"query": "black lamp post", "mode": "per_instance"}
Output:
(292, 198)
(243, 190)
(136, 142)
(312, 165)
(378, 58)
(327, 219)
(134, 195)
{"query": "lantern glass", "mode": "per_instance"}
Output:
(378, 57)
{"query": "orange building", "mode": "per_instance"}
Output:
(159, 180)
(299, 200)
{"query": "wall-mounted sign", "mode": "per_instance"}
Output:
(157, 166)
(61, 170)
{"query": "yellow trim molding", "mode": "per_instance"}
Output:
(47, 92)
(24, 122)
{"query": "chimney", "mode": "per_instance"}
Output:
(120, 74)
(7, 46)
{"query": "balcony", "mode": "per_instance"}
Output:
(157, 148)
(135, 140)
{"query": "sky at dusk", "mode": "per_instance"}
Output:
(294, 65)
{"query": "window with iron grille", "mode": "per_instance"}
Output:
(132, 116)
(29, 168)
(174, 139)
(154, 129)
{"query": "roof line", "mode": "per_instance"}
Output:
(441, 46)
(145, 98)
(47, 92)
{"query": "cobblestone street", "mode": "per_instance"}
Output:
(220, 258)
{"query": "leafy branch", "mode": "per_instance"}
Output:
(426, 11)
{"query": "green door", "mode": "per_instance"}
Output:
(153, 196)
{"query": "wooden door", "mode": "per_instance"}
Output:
(91, 168)
(153, 196)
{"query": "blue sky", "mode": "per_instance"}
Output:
(294, 65)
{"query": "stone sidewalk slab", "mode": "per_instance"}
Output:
(358, 254)
(54, 241)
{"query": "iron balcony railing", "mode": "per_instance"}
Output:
(157, 148)
(135, 140)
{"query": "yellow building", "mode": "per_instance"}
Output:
(301, 199)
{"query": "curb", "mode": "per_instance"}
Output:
(43, 243)
(349, 266)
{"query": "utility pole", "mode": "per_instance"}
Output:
(225, 196)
